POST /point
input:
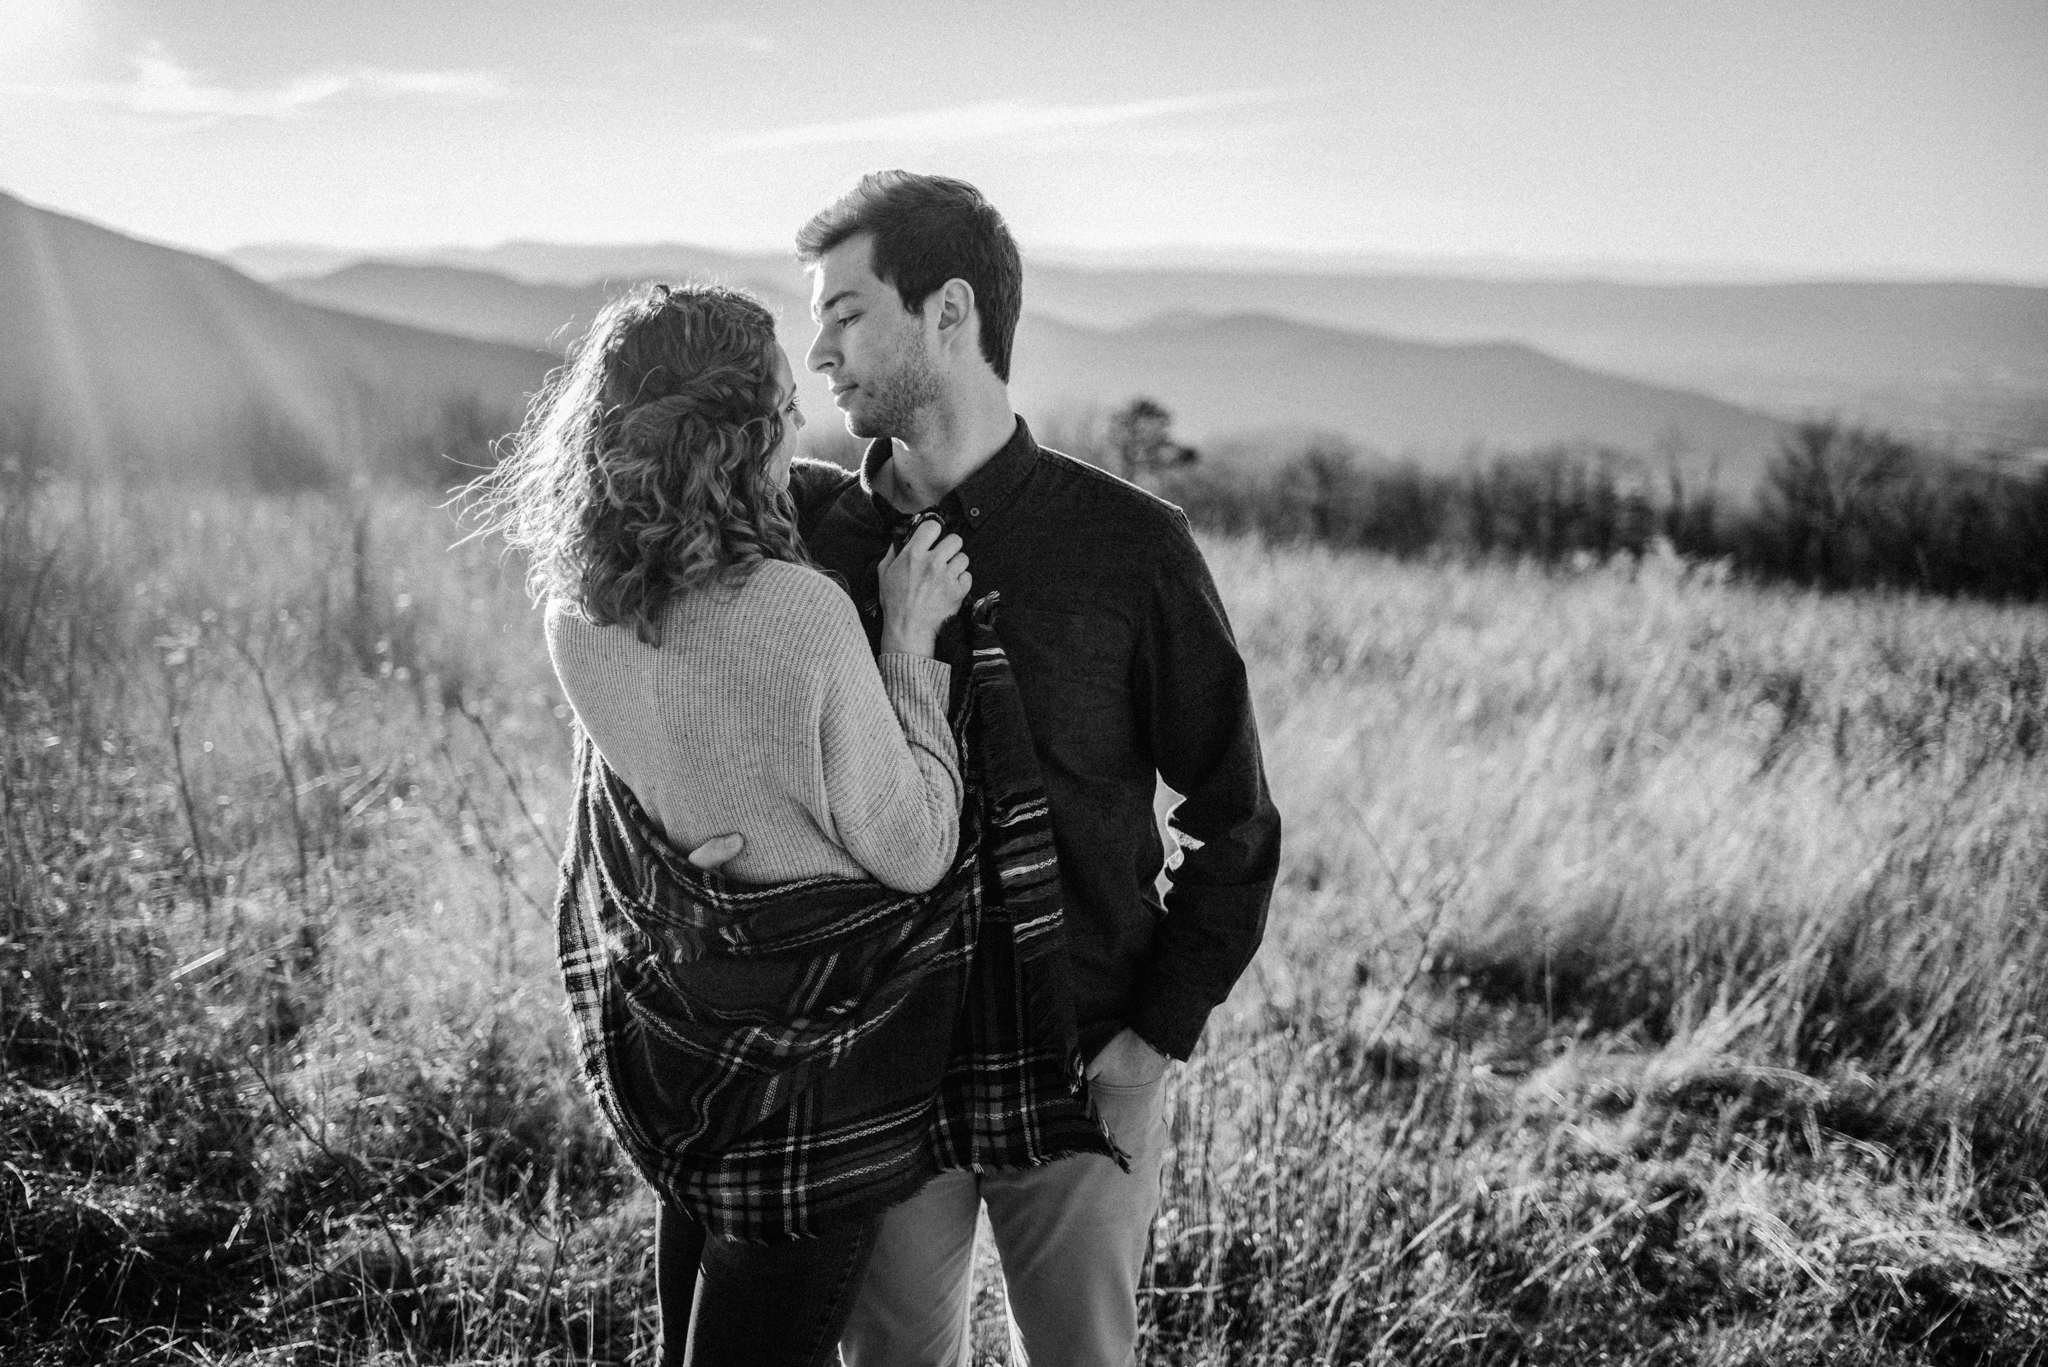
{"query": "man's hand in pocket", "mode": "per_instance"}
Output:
(1127, 1061)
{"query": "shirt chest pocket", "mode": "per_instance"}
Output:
(1074, 673)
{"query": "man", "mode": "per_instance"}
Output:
(1128, 673)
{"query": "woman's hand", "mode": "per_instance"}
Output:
(922, 585)
(718, 851)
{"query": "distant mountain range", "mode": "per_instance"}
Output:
(1221, 376)
(544, 260)
(156, 359)
(137, 356)
(1954, 362)
(1950, 361)
(1253, 372)
(469, 303)
(536, 263)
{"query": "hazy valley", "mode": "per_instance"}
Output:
(384, 365)
(1957, 362)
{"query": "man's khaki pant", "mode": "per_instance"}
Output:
(1072, 1238)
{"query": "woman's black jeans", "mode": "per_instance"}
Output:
(725, 1303)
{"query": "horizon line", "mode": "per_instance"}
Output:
(1246, 259)
(1228, 258)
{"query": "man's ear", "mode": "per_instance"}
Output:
(956, 308)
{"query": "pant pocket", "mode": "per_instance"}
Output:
(1132, 1113)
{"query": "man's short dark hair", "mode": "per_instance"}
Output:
(928, 230)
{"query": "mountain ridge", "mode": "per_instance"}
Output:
(142, 358)
(1435, 402)
(1960, 363)
(1064, 368)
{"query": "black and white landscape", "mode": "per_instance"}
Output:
(1433, 368)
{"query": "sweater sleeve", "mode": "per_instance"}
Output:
(892, 771)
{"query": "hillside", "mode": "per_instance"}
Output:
(1949, 360)
(498, 306)
(135, 356)
(482, 304)
(535, 263)
(1252, 372)
(1220, 376)
(1938, 358)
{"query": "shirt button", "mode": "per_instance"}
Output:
(974, 512)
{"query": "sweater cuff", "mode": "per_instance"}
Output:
(919, 688)
(918, 677)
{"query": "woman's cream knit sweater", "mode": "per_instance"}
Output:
(763, 712)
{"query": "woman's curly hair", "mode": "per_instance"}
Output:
(642, 470)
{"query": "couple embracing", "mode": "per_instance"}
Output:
(859, 919)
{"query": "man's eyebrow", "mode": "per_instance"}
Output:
(818, 310)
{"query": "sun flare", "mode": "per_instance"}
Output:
(35, 32)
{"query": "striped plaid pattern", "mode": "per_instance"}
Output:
(749, 995)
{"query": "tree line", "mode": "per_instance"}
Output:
(1839, 506)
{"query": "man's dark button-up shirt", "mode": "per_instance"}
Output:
(1127, 669)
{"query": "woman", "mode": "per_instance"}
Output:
(729, 687)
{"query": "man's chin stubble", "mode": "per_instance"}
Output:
(872, 426)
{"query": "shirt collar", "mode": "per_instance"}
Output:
(978, 498)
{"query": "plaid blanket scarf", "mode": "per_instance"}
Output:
(711, 1014)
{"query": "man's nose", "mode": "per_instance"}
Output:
(820, 357)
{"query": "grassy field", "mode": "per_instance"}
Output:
(1659, 972)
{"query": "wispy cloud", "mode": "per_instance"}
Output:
(720, 34)
(159, 86)
(998, 118)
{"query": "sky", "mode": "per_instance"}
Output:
(1812, 138)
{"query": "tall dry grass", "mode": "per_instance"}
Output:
(1656, 975)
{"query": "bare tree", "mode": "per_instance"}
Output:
(1140, 436)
